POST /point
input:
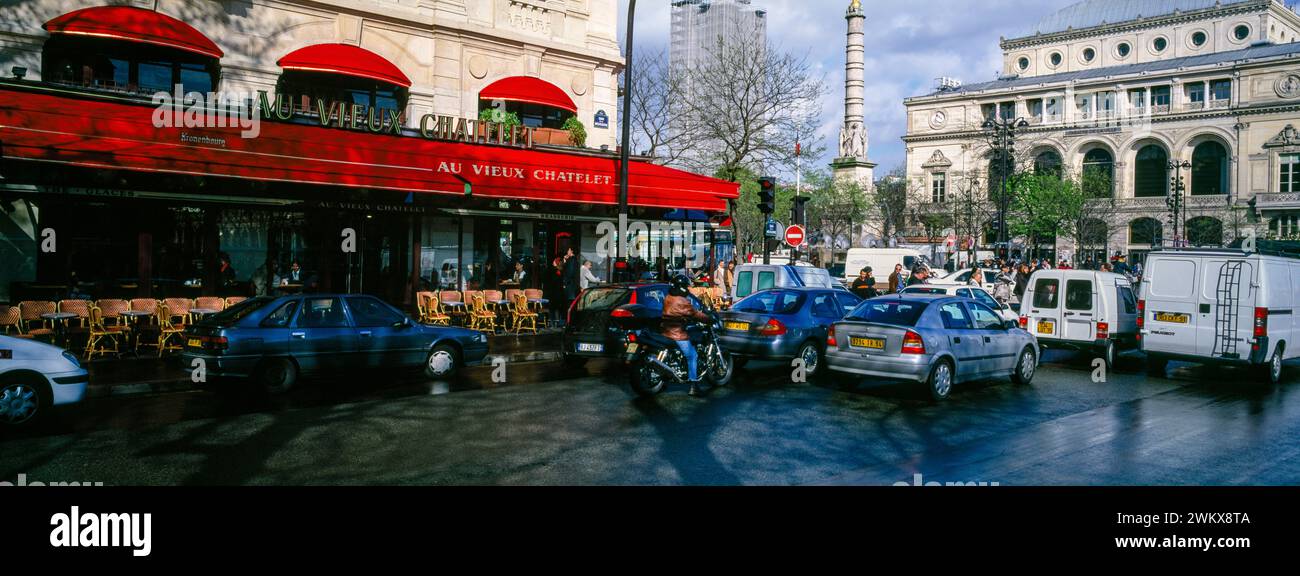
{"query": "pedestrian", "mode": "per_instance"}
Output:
(1022, 281)
(920, 275)
(553, 288)
(1002, 285)
(864, 284)
(731, 277)
(570, 277)
(976, 277)
(896, 279)
(720, 275)
(587, 278)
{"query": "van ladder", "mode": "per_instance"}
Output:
(1227, 296)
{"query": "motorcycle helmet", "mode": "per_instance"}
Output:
(681, 285)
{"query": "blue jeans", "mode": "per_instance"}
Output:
(688, 350)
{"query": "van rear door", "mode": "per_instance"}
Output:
(1225, 314)
(1080, 309)
(1043, 308)
(1169, 286)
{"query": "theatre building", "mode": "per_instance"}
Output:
(184, 148)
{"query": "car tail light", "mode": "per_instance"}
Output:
(773, 327)
(1103, 330)
(631, 336)
(633, 300)
(912, 343)
(621, 313)
(1142, 313)
(830, 338)
(214, 342)
(1024, 322)
(1261, 322)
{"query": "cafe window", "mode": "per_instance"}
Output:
(314, 86)
(126, 66)
(531, 115)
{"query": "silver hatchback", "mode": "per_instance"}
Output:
(934, 340)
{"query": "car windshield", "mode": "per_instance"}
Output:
(888, 312)
(771, 302)
(234, 314)
(601, 298)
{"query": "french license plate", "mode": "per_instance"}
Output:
(632, 347)
(737, 326)
(1046, 327)
(584, 347)
(194, 343)
(1172, 318)
(873, 343)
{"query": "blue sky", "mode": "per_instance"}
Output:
(909, 44)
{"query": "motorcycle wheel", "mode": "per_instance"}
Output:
(645, 381)
(719, 369)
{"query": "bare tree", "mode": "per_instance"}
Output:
(835, 207)
(886, 212)
(658, 107)
(748, 103)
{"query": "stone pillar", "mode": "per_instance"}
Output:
(852, 164)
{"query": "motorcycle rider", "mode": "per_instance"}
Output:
(678, 311)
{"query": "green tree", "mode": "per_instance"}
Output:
(835, 207)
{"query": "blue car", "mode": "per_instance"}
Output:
(784, 323)
(274, 340)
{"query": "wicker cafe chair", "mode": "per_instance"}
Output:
(211, 302)
(450, 300)
(434, 314)
(522, 316)
(481, 318)
(178, 308)
(11, 317)
(231, 301)
(421, 299)
(101, 335)
(111, 311)
(145, 305)
(79, 307)
(31, 311)
(167, 329)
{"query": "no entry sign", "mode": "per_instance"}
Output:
(794, 236)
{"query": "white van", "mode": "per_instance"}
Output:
(881, 261)
(1219, 306)
(1081, 310)
(751, 278)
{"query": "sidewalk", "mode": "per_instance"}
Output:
(148, 374)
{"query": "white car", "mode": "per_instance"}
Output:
(35, 376)
(963, 276)
(978, 294)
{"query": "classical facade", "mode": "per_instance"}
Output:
(1126, 89)
(450, 49)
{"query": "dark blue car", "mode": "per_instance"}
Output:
(273, 340)
(784, 323)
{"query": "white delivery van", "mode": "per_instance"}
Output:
(881, 261)
(1219, 305)
(1081, 310)
(751, 278)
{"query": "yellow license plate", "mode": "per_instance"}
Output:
(632, 347)
(873, 343)
(1172, 318)
(1046, 327)
(737, 326)
(194, 343)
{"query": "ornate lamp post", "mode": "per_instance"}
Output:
(1176, 201)
(1002, 137)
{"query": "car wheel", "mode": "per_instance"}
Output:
(939, 385)
(22, 402)
(276, 375)
(1272, 371)
(441, 363)
(1026, 366)
(812, 359)
(1156, 367)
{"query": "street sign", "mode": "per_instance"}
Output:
(773, 229)
(794, 236)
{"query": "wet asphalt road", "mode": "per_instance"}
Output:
(546, 425)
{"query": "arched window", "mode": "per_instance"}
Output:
(1047, 162)
(1205, 231)
(1094, 233)
(1145, 231)
(1150, 172)
(1099, 173)
(1209, 169)
(343, 73)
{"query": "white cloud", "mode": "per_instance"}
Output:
(908, 45)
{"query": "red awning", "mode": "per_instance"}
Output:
(134, 25)
(344, 59)
(530, 90)
(101, 133)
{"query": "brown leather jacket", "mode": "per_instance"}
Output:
(678, 310)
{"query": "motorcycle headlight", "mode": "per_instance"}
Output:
(70, 357)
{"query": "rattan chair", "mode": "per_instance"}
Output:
(231, 301)
(481, 318)
(522, 316)
(210, 302)
(111, 311)
(101, 335)
(79, 307)
(167, 329)
(33, 324)
(451, 300)
(11, 318)
(179, 309)
(433, 312)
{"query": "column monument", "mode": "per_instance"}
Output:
(852, 163)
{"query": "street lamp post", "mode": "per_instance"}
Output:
(1002, 135)
(1176, 201)
(625, 149)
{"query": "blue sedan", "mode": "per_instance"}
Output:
(274, 340)
(784, 323)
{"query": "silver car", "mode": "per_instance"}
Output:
(934, 340)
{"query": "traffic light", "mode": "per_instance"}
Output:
(799, 210)
(767, 194)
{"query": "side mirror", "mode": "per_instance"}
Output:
(1010, 325)
(404, 323)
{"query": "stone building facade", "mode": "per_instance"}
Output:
(1127, 87)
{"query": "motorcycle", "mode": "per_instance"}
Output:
(655, 361)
